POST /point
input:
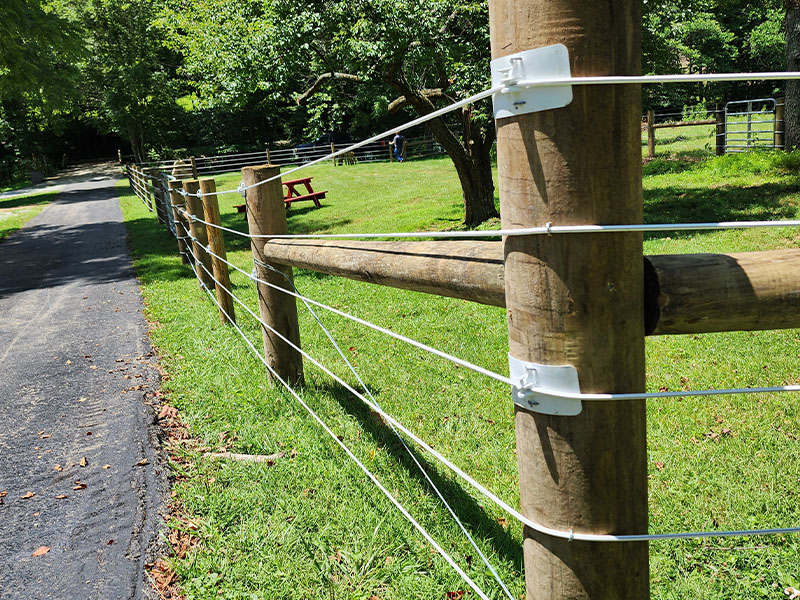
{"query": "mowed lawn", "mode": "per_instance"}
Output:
(16, 211)
(311, 525)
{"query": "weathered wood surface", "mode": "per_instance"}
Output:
(266, 215)
(216, 242)
(577, 299)
(194, 206)
(468, 270)
(181, 228)
(684, 293)
(699, 293)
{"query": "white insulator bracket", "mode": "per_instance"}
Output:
(541, 388)
(547, 63)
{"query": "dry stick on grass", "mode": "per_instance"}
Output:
(247, 457)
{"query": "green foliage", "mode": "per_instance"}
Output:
(126, 68)
(704, 36)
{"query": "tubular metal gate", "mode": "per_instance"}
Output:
(750, 124)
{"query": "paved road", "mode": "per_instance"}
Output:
(74, 368)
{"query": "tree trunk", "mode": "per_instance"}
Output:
(137, 142)
(792, 107)
(471, 157)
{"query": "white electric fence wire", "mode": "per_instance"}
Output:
(397, 336)
(651, 79)
(567, 535)
(347, 450)
(546, 229)
(602, 80)
(419, 121)
(509, 381)
(375, 406)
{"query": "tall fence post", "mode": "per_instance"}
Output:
(193, 163)
(334, 160)
(651, 134)
(266, 215)
(269, 160)
(194, 206)
(720, 129)
(216, 242)
(780, 126)
(577, 299)
(175, 188)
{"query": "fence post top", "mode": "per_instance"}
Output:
(261, 168)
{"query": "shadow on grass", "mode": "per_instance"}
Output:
(31, 200)
(156, 251)
(471, 513)
(725, 203)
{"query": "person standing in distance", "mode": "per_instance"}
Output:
(399, 143)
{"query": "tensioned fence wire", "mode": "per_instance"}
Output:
(548, 229)
(531, 83)
(563, 534)
(403, 510)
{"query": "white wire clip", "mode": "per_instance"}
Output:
(241, 190)
(512, 71)
(540, 388)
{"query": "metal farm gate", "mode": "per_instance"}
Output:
(750, 125)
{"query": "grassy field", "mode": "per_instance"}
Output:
(15, 212)
(310, 525)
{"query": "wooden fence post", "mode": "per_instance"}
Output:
(216, 242)
(780, 125)
(158, 198)
(577, 299)
(266, 214)
(194, 206)
(146, 189)
(719, 114)
(175, 188)
(651, 134)
(193, 163)
(269, 161)
(333, 160)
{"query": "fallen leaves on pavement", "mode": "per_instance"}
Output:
(41, 551)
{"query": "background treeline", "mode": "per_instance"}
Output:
(165, 77)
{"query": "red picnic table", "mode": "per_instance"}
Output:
(295, 195)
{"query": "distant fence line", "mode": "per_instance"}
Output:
(740, 125)
(194, 166)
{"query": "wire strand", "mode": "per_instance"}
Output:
(376, 405)
(349, 453)
(568, 535)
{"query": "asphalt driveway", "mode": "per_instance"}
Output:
(80, 481)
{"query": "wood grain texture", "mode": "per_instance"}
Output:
(699, 293)
(683, 293)
(194, 206)
(181, 228)
(216, 241)
(266, 215)
(577, 299)
(466, 270)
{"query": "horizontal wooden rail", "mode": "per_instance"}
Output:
(685, 293)
(684, 124)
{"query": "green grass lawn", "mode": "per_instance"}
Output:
(312, 526)
(15, 212)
